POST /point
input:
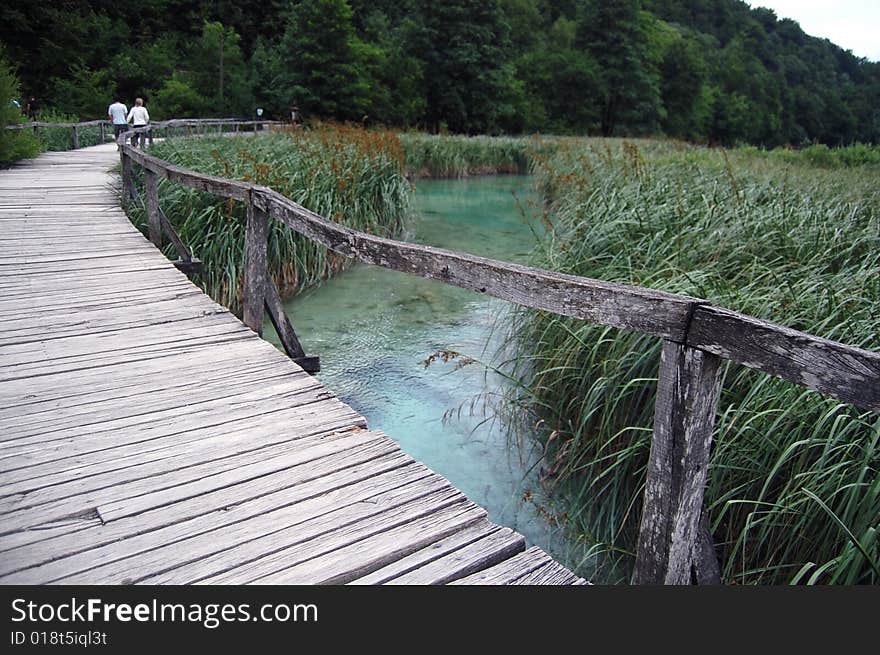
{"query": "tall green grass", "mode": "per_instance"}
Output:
(347, 174)
(461, 156)
(793, 492)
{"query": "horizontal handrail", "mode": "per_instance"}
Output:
(174, 122)
(845, 372)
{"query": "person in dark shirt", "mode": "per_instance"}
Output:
(31, 108)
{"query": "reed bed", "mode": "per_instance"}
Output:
(347, 174)
(442, 156)
(794, 491)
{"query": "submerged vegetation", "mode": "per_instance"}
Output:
(789, 236)
(793, 492)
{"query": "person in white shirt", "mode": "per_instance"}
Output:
(139, 117)
(116, 113)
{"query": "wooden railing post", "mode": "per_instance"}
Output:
(75, 138)
(154, 220)
(254, 291)
(127, 181)
(684, 416)
(101, 126)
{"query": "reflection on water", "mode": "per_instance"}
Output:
(373, 329)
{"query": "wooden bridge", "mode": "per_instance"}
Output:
(146, 435)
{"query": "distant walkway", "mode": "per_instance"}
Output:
(148, 436)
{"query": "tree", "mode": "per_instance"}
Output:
(267, 78)
(177, 99)
(219, 72)
(562, 83)
(683, 76)
(611, 33)
(465, 49)
(14, 144)
(395, 75)
(323, 61)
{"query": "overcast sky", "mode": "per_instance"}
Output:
(851, 24)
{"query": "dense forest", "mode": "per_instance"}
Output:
(713, 71)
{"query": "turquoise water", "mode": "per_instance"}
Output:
(373, 329)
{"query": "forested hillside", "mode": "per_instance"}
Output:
(705, 70)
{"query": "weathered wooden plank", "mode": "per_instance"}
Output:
(209, 183)
(632, 308)
(95, 307)
(182, 251)
(15, 359)
(551, 573)
(127, 181)
(474, 554)
(158, 484)
(684, 416)
(364, 556)
(43, 401)
(268, 566)
(164, 312)
(417, 564)
(282, 546)
(281, 322)
(707, 570)
(848, 373)
(295, 412)
(210, 532)
(123, 381)
(508, 571)
(81, 421)
(211, 510)
(47, 466)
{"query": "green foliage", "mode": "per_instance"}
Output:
(704, 70)
(178, 99)
(267, 73)
(855, 155)
(218, 72)
(14, 144)
(793, 479)
(322, 61)
(465, 46)
(614, 34)
(563, 84)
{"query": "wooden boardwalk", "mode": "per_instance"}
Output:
(148, 436)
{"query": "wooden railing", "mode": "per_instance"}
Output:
(674, 546)
(200, 125)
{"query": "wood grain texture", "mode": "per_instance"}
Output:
(255, 275)
(151, 197)
(848, 373)
(684, 416)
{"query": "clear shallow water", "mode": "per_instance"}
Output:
(373, 329)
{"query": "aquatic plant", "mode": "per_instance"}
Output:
(793, 491)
